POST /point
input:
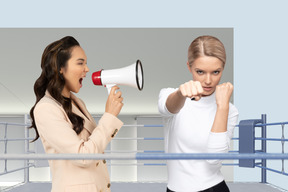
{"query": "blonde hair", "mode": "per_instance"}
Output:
(206, 46)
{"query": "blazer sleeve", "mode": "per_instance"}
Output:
(54, 127)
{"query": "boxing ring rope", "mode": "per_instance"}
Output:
(146, 156)
(247, 155)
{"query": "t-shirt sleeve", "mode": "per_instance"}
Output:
(163, 95)
(220, 142)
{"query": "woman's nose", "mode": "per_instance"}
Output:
(86, 69)
(208, 79)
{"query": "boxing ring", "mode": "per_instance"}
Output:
(252, 153)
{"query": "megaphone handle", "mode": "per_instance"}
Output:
(109, 86)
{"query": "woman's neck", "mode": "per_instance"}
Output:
(66, 93)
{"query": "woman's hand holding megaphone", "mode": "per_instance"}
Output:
(114, 102)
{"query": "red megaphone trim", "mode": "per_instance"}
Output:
(96, 77)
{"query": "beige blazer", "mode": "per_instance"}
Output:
(57, 135)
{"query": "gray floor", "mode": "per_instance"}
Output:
(141, 187)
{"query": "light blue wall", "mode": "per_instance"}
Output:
(260, 35)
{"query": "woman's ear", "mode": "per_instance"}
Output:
(61, 75)
(189, 67)
(61, 70)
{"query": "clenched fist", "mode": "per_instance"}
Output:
(223, 94)
(191, 89)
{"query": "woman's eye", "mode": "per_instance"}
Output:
(216, 72)
(199, 72)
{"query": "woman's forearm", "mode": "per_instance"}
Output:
(220, 120)
(175, 102)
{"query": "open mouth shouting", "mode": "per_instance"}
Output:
(80, 81)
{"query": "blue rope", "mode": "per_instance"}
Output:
(147, 151)
(269, 124)
(153, 138)
(187, 156)
(145, 156)
(153, 126)
(270, 139)
(273, 170)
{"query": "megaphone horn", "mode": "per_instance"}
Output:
(131, 75)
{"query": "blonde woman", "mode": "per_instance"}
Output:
(199, 118)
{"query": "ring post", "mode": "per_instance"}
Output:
(26, 149)
(264, 148)
(247, 140)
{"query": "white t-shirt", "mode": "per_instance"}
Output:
(189, 131)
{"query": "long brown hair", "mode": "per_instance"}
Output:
(206, 46)
(55, 57)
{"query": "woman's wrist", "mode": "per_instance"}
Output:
(223, 106)
(179, 94)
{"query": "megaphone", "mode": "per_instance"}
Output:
(131, 75)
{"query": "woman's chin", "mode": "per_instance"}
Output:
(208, 93)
